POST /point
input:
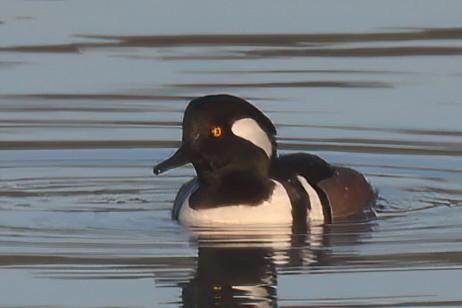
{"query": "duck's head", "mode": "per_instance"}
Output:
(224, 135)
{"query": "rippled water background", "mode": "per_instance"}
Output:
(92, 95)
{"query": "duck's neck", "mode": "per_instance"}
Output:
(231, 188)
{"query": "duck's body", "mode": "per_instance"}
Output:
(273, 211)
(242, 181)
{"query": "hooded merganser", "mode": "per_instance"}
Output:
(241, 180)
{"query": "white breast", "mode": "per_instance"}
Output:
(276, 210)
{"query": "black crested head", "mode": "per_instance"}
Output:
(219, 120)
(228, 134)
(225, 108)
(231, 145)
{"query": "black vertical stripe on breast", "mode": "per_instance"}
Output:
(183, 194)
(326, 211)
(300, 204)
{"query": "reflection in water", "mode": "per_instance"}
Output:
(231, 276)
(240, 267)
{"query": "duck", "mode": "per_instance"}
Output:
(242, 180)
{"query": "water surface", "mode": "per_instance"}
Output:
(92, 96)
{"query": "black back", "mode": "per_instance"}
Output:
(313, 168)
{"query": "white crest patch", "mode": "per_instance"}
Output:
(249, 130)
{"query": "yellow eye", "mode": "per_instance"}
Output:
(216, 132)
